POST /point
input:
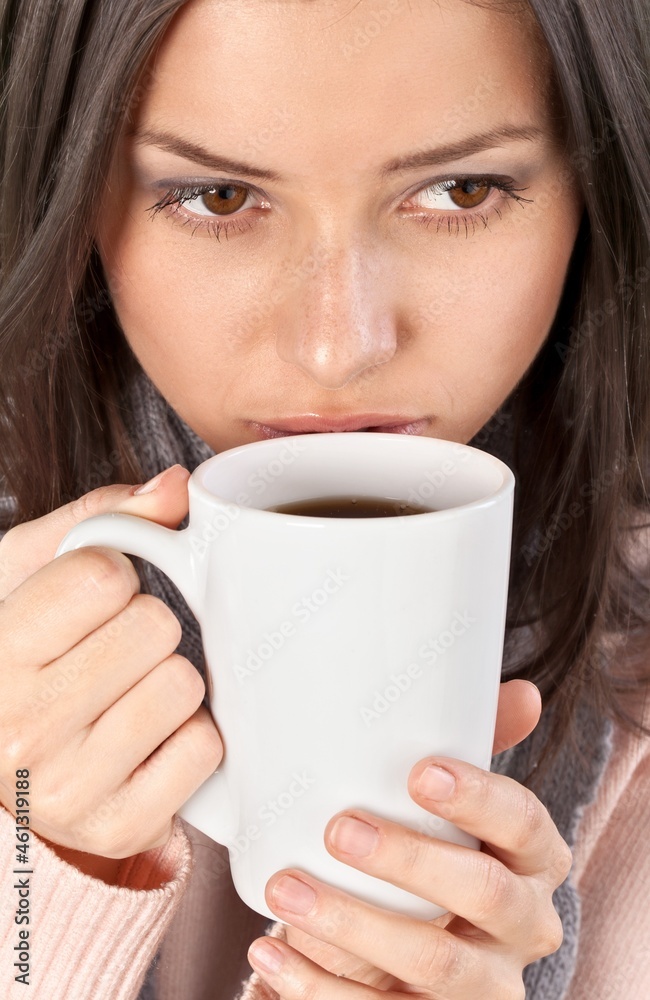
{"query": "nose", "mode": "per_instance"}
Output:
(340, 321)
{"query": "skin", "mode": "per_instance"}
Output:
(334, 299)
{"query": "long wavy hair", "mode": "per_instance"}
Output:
(580, 418)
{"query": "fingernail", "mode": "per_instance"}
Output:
(436, 783)
(292, 894)
(153, 483)
(354, 837)
(266, 956)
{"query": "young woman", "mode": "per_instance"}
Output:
(229, 220)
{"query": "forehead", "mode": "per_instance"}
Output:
(287, 80)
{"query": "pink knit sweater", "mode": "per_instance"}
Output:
(93, 941)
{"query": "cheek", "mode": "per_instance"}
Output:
(479, 328)
(494, 311)
(528, 284)
(175, 310)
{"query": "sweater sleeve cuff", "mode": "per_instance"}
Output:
(87, 938)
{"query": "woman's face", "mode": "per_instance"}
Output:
(373, 259)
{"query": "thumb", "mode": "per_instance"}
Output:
(30, 546)
(163, 499)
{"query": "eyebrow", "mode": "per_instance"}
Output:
(493, 138)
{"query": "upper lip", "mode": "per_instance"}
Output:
(311, 422)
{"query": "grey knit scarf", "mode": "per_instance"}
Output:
(161, 438)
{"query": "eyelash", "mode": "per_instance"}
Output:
(176, 197)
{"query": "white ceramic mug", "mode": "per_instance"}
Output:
(340, 651)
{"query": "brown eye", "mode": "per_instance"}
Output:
(226, 198)
(469, 194)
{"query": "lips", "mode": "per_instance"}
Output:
(314, 424)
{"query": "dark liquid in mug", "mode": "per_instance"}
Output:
(351, 506)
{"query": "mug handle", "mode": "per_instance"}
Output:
(208, 808)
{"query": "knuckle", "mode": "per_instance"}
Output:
(494, 888)
(210, 753)
(190, 684)
(162, 617)
(557, 934)
(531, 821)
(206, 742)
(54, 807)
(108, 571)
(553, 933)
(124, 844)
(19, 743)
(549, 935)
(517, 991)
(477, 788)
(563, 863)
(15, 753)
(413, 857)
(82, 507)
(108, 828)
(436, 960)
(85, 506)
(113, 840)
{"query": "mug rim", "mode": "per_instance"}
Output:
(198, 489)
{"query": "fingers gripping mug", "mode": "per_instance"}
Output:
(339, 650)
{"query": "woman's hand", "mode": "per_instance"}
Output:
(94, 701)
(501, 915)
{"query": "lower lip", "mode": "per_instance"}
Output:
(264, 431)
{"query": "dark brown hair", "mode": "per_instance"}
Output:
(580, 417)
